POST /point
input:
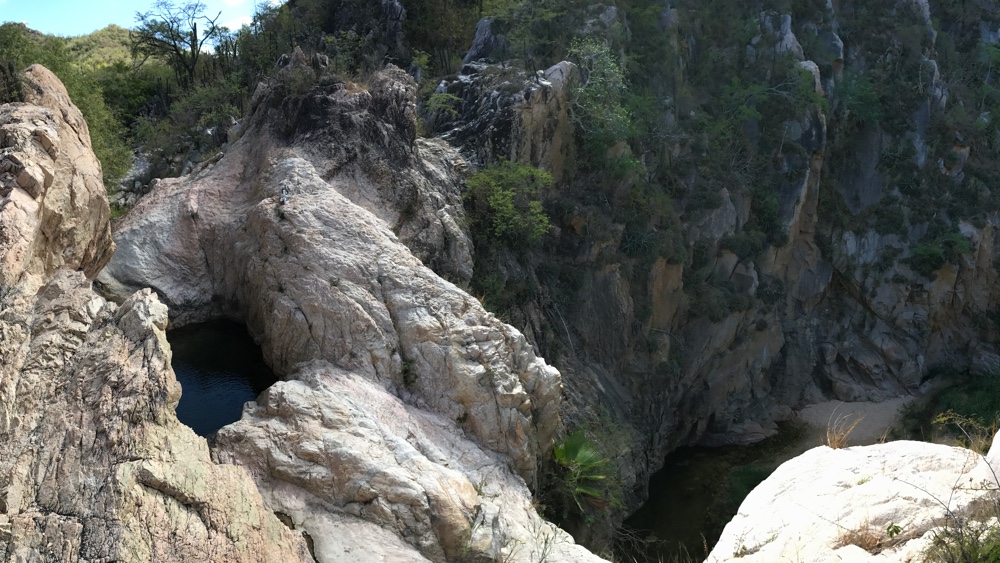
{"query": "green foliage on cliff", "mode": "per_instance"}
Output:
(19, 48)
(597, 105)
(582, 480)
(929, 257)
(582, 468)
(505, 197)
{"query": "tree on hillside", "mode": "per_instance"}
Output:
(170, 33)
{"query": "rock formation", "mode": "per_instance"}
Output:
(827, 312)
(839, 505)
(410, 418)
(93, 463)
(505, 113)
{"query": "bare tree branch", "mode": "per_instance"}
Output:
(169, 32)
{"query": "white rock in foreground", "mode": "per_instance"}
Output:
(809, 507)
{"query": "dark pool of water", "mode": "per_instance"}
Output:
(699, 490)
(220, 368)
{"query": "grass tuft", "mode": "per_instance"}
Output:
(839, 429)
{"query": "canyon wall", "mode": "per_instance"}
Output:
(879, 270)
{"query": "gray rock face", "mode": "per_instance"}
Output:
(487, 45)
(402, 393)
(507, 114)
(93, 463)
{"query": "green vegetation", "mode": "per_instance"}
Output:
(964, 411)
(505, 196)
(966, 540)
(20, 48)
(597, 106)
(102, 48)
(171, 34)
(582, 468)
(929, 257)
(582, 482)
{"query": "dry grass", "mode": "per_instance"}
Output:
(839, 429)
(867, 538)
(873, 539)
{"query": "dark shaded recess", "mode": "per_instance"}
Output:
(698, 492)
(220, 369)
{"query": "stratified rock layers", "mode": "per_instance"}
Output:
(93, 463)
(408, 411)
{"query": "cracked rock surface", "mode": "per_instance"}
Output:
(93, 463)
(412, 421)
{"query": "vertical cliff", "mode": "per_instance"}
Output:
(803, 211)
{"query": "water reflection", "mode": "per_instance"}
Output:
(220, 368)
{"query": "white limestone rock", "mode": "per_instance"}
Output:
(320, 241)
(808, 509)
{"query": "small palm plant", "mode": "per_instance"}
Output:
(583, 469)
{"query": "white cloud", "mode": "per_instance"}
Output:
(233, 3)
(238, 22)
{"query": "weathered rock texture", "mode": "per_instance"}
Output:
(402, 395)
(833, 505)
(505, 113)
(829, 311)
(93, 463)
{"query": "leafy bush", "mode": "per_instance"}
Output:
(976, 399)
(856, 100)
(11, 89)
(443, 102)
(597, 103)
(930, 257)
(505, 202)
(745, 244)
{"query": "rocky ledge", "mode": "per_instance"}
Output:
(93, 463)
(887, 502)
(411, 423)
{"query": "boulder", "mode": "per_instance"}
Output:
(838, 504)
(487, 45)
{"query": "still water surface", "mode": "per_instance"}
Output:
(700, 489)
(220, 368)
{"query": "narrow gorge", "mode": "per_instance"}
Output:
(469, 262)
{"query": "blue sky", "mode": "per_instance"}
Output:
(78, 17)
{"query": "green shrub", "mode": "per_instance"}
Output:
(11, 89)
(19, 49)
(583, 468)
(928, 258)
(856, 100)
(505, 202)
(443, 102)
(965, 541)
(745, 244)
(597, 103)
